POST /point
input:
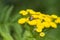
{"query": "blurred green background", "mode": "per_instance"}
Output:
(9, 15)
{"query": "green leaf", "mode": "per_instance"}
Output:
(8, 13)
(3, 12)
(6, 24)
(18, 31)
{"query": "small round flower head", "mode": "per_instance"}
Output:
(53, 25)
(39, 27)
(35, 16)
(46, 24)
(23, 12)
(38, 13)
(30, 11)
(41, 16)
(33, 22)
(47, 19)
(38, 21)
(57, 20)
(42, 34)
(53, 16)
(22, 20)
(38, 30)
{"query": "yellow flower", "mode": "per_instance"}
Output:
(41, 16)
(38, 21)
(47, 19)
(53, 16)
(33, 22)
(23, 12)
(46, 24)
(57, 20)
(22, 20)
(39, 27)
(35, 16)
(38, 13)
(53, 25)
(42, 34)
(38, 30)
(30, 11)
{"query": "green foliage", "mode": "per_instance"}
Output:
(9, 15)
(7, 27)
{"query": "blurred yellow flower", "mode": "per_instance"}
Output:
(47, 19)
(35, 16)
(30, 11)
(39, 27)
(57, 20)
(54, 16)
(23, 12)
(42, 34)
(38, 30)
(33, 22)
(46, 24)
(53, 25)
(22, 20)
(38, 21)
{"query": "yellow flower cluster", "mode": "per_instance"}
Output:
(39, 20)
